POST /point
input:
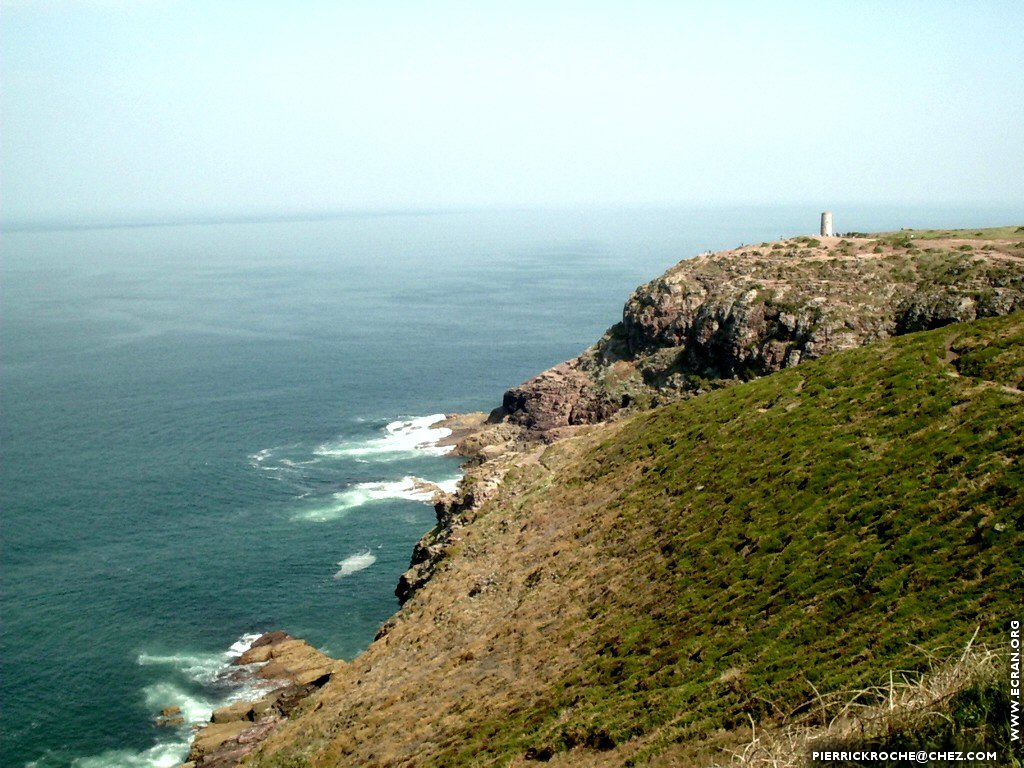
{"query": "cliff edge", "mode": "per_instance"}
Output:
(754, 310)
(721, 318)
(621, 584)
(641, 592)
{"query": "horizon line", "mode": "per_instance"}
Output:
(105, 221)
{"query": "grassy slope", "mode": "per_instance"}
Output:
(990, 233)
(720, 559)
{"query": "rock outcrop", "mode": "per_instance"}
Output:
(720, 318)
(294, 668)
(454, 510)
(749, 312)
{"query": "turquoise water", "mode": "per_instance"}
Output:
(196, 441)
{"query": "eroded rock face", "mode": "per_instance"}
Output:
(235, 730)
(749, 312)
(480, 483)
(561, 396)
(719, 318)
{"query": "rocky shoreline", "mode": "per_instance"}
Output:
(293, 668)
(715, 320)
(706, 323)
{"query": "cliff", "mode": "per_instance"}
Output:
(751, 311)
(619, 584)
(725, 317)
(638, 593)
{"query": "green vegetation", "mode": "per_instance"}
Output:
(802, 558)
(991, 233)
(959, 705)
(799, 534)
(899, 240)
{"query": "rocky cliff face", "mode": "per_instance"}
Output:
(507, 600)
(751, 311)
(293, 671)
(726, 317)
(641, 592)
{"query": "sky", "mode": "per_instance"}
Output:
(135, 108)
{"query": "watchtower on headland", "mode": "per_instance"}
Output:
(826, 224)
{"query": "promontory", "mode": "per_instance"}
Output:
(778, 505)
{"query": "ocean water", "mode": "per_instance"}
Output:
(214, 430)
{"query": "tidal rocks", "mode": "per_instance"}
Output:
(169, 717)
(295, 661)
(240, 710)
(297, 669)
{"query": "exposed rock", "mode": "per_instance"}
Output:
(238, 728)
(269, 638)
(461, 425)
(559, 397)
(169, 717)
(479, 437)
(298, 662)
(240, 710)
(214, 736)
(454, 510)
(744, 313)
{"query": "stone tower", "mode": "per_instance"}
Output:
(826, 224)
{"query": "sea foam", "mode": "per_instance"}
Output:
(207, 672)
(401, 438)
(409, 488)
(165, 754)
(201, 668)
(354, 563)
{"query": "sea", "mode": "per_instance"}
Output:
(214, 428)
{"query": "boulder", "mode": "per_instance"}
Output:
(214, 736)
(240, 710)
(297, 662)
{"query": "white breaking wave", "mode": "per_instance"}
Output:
(241, 645)
(450, 485)
(260, 455)
(402, 438)
(202, 668)
(409, 488)
(194, 709)
(163, 755)
(172, 747)
(354, 563)
(266, 460)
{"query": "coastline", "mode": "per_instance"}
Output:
(560, 403)
(290, 669)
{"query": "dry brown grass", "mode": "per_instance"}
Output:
(902, 706)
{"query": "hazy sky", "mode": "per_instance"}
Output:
(158, 107)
